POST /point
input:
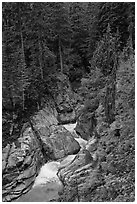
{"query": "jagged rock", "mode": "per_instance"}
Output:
(39, 140)
(79, 177)
(22, 160)
(83, 158)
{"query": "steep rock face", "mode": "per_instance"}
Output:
(21, 161)
(55, 138)
(64, 98)
(83, 158)
(39, 140)
(87, 120)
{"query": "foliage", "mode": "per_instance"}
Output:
(105, 56)
(117, 146)
(41, 38)
(119, 15)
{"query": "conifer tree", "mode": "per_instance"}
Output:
(105, 58)
(60, 31)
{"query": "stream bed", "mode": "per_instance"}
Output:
(47, 184)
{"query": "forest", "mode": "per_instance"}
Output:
(92, 44)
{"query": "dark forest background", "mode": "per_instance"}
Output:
(77, 39)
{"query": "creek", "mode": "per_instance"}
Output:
(47, 184)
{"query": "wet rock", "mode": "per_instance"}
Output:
(40, 139)
(66, 161)
(79, 177)
(83, 158)
(92, 145)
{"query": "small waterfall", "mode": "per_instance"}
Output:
(47, 174)
(70, 127)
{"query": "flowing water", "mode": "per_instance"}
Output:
(47, 184)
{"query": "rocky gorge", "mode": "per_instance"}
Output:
(41, 139)
(68, 101)
(54, 159)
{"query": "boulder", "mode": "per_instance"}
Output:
(61, 143)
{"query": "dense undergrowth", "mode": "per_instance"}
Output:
(117, 141)
(116, 146)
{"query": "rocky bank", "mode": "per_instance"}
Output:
(103, 166)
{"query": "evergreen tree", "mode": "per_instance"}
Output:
(60, 32)
(80, 34)
(14, 41)
(105, 58)
(117, 15)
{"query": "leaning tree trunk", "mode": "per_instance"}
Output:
(60, 55)
(111, 94)
(23, 63)
(23, 70)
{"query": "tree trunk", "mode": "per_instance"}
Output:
(12, 102)
(40, 57)
(114, 92)
(111, 94)
(23, 66)
(60, 54)
(22, 57)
